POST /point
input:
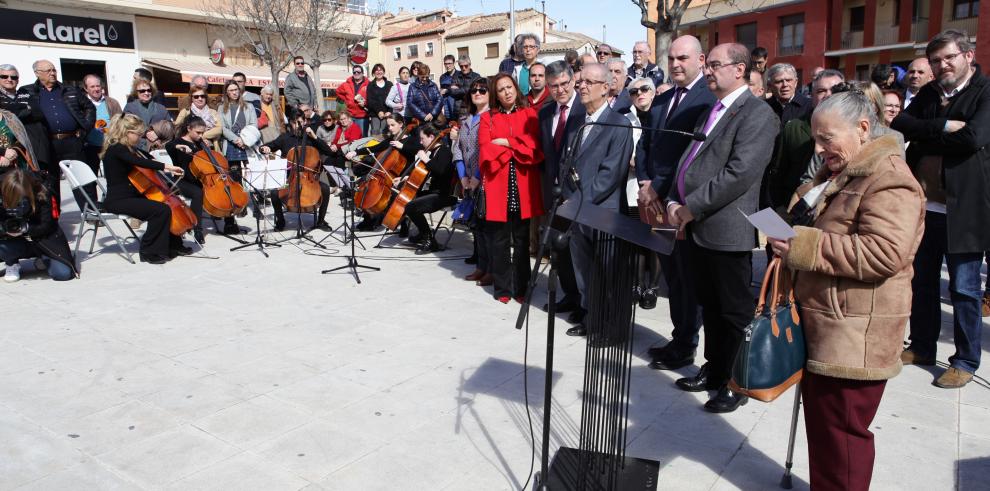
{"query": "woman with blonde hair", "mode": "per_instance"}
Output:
(121, 153)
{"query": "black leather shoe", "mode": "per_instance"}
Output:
(428, 245)
(179, 250)
(279, 225)
(230, 227)
(471, 260)
(672, 359)
(563, 306)
(322, 225)
(414, 240)
(576, 316)
(648, 299)
(577, 330)
(697, 383)
(198, 235)
(154, 259)
(725, 401)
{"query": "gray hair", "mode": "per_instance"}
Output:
(852, 107)
(464, 60)
(644, 81)
(828, 73)
(520, 39)
(644, 43)
(9, 68)
(268, 89)
(599, 67)
(87, 77)
(617, 61)
(780, 67)
(558, 68)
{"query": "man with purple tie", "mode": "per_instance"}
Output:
(717, 179)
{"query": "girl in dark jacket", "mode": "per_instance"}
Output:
(30, 229)
(424, 97)
(378, 91)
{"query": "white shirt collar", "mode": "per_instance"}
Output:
(961, 86)
(691, 85)
(96, 103)
(593, 117)
(570, 103)
(728, 100)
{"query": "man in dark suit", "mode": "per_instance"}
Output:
(618, 95)
(715, 180)
(787, 103)
(601, 159)
(657, 155)
(560, 117)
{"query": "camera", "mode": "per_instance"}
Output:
(15, 220)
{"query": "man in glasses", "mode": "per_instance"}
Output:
(642, 67)
(463, 79)
(530, 46)
(19, 103)
(601, 159)
(657, 156)
(67, 114)
(299, 87)
(946, 126)
(604, 53)
(716, 179)
(247, 96)
(106, 108)
(446, 80)
(559, 119)
(353, 93)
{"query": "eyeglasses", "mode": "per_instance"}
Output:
(583, 82)
(448, 63)
(199, 96)
(639, 90)
(604, 53)
(529, 46)
(328, 120)
(50, 70)
(638, 51)
(478, 90)
(936, 61)
(11, 77)
(464, 67)
(144, 91)
(715, 65)
(560, 85)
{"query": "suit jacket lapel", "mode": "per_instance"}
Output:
(724, 121)
(594, 133)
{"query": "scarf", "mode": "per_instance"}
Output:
(21, 134)
(205, 114)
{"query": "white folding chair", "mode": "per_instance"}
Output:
(91, 218)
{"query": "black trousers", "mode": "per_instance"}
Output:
(685, 313)
(194, 192)
(722, 284)
(321, 214)
(509, 246)
(417, 209)
(64, 149)
(156, 238)
(92, 154)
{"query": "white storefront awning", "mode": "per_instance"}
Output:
(256, 76)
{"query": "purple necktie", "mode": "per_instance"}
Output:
(694, 148)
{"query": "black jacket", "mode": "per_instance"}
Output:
(463, 83)
(376, 98)
(47, 236)
(965, 156)
(34, 123)
(83, 111)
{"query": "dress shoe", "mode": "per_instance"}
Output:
(648, 299)
(198, 235)
(503, 299)
(279, 225)
(427, 246)
(413, 240)
(577, 330)
(179, 250)
(472, 260)
(404, 232)
(475, 276)
(725, 401)
(697, 383)
(486, 280)
(153, 259)
(563, 306)
(520, 299)
(986, 304)
(909, 357)
(953, 378)
(366, 225)
(230, 227)
(672, 359)
(322, 225)
(576, 316)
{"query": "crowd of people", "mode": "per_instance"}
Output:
(883, 180)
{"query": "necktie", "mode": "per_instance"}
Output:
(558, 135)
(694, 148)
(677, 100)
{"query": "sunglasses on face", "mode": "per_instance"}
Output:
(604, 53)
(328, 120)
(358, 72)
(300, 63)
(199, 96)
(479, 90)
(639, 90)
(144, 91)
(11, 77)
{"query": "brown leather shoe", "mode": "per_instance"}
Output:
(953, 378)
(986, 304)
(909, 357)
(486, 280)
(475, 276)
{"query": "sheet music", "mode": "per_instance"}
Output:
(262, 173)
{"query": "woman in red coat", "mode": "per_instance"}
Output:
(510, 154)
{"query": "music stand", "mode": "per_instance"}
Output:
(352, 262)
(265, 175)
(348, 228)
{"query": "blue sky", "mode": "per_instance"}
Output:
(620, 17)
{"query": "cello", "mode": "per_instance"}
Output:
(417, 177)
(302, 193)
(153, 187)
(374, 193)
(222, 196)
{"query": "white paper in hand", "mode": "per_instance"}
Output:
(770, 223)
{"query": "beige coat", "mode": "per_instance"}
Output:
(211, 134)
(854, 268)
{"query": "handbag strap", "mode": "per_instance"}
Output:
(767, 277)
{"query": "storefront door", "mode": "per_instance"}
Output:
(74, 70)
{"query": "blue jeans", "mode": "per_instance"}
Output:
(965, 292)
(15, 249)
(363, 124)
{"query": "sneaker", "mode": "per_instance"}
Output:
(909, 357)
(135, 223)
(986, 304)
(953, 378)
(40, 264)
(13, 273)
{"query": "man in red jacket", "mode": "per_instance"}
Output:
(354, 94)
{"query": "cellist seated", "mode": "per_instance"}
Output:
(299, 134)
(439, 191)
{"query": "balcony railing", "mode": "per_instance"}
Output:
(919, 31)
(969, 25)
(352, 6)
(885, 35)
(789, 50)
(852, 40)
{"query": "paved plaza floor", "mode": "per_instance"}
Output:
(246, 372)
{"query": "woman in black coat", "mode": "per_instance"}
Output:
(33, 228)
(378, 91)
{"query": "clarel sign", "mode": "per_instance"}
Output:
(21, 25)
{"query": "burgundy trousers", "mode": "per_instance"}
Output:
(837, 415)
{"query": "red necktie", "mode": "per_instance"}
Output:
(558, 136)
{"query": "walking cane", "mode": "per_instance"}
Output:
(785, 482)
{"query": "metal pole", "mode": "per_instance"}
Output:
(512, 22)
